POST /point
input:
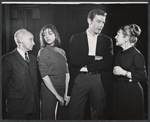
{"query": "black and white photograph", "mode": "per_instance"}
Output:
(74, 60)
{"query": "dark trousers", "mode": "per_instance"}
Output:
(49, 102)
(87, 86)
(35, 115)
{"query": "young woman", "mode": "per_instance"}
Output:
(54, 72)
(129, 70)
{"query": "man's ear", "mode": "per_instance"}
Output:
(19, 39)
(89, 21)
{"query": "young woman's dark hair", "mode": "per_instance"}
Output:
(54, 30)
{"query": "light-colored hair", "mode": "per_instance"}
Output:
(19, 34)
(54, 30)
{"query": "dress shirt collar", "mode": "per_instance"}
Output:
(89, 33)
(22, 53)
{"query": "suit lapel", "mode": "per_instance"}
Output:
(85, 43)
(32, 70)
(21, 60)
(31, 64)
(100, 46)
(97, 45)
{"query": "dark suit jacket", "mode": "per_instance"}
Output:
(78, 57)
(20, 83)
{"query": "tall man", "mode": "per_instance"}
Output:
(90, 55)
(19, 79)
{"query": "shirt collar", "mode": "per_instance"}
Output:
(21, 52)
(88, 33)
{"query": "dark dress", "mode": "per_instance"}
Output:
(128, 96)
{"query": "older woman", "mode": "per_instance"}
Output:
(129, 70)
(54, 72)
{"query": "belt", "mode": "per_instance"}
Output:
(90, 73)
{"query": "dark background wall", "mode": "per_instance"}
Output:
(70, 19)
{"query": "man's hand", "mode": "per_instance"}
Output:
(98, 57)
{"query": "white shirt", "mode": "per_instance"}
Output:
(92, 41)
(22, 53)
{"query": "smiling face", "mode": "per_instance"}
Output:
(96, 25)
(49, 36)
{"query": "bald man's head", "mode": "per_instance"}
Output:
(24, 39)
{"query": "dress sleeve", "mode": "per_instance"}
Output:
(42, 63)
(139, 75)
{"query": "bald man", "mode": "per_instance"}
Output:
(19, 79)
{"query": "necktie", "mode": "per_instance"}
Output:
(26, 57)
